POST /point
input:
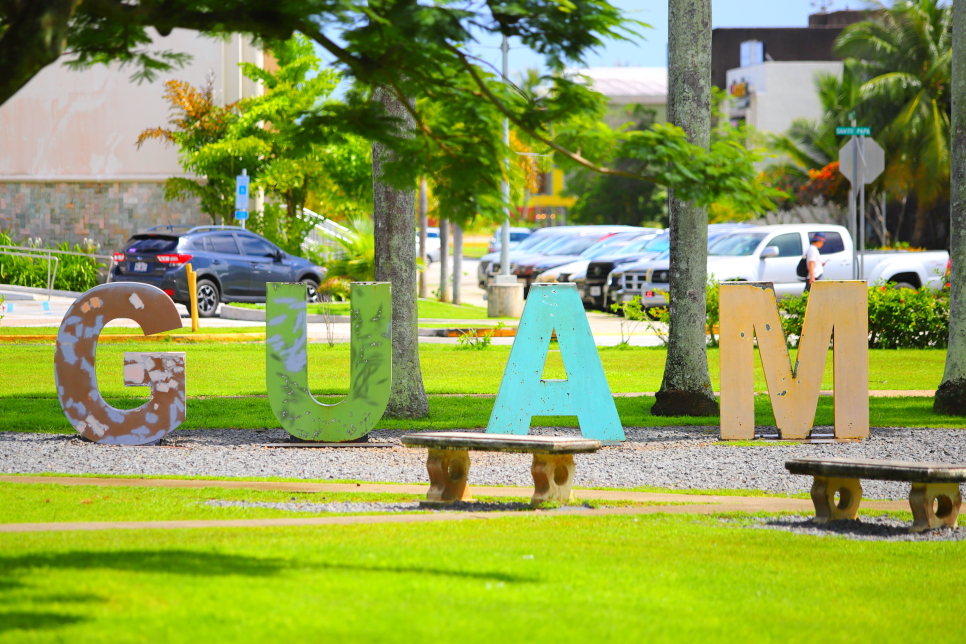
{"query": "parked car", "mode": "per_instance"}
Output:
(569, 248)
(432, 245)
(233, 264)
(609, 246)
(517, 235)
(592, 283)
(540, 238)
(772, 254)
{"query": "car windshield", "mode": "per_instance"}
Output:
(636, 246)
(607, 246)
(533, 242)
(737, 245)
(574, 245)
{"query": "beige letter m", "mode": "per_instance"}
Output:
(749, 309)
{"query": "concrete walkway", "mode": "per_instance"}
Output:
(691, 504)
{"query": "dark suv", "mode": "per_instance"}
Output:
(233, 264)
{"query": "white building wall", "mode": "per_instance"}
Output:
(779, 93)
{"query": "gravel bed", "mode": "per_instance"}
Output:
(881, 528)
(672, 457)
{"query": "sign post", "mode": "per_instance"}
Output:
(861, 160)
(241, 197)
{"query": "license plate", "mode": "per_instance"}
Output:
(595, 291)
(140, 267)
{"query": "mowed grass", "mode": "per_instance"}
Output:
(22, 414)
(50, 502)
(555, 579)
(238, 369)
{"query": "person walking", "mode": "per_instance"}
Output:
(813, 260)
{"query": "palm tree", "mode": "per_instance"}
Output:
(903, 54)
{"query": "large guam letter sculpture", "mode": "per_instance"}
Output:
(76, 377)
(299, 413)
(585, 394)
(749, 309)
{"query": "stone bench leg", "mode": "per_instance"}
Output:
(448, 469)
(823, 496)
(944, 496)
(553, 477)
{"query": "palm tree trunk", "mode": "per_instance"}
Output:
(951, 395)
(922, 217)
(686, 388)
(393, 217)
(457, 263)
(444, 261)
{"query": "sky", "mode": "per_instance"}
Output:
(652, 51)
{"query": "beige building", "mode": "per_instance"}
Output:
(626, 87)
(69, 167)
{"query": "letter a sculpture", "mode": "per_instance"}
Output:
(370, 349)
(76, 376)
(748, 310)
(585, 394)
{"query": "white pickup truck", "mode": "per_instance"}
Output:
(772, 254)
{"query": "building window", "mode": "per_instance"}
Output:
(752, 53)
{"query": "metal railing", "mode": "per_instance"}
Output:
(323, 230)
(48, 254)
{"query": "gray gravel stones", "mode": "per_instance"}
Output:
(672, 457)
(881, 528)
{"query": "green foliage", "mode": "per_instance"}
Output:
(356, 259)
(657, 318)
(898, 318)
(713, 309)
(471, 340)
(74, 273)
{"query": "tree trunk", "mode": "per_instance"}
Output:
(444, 261)
(686, 388)
(35, 37)
(922, 216)
(394, 217)
(457, 263)
(423, 224)
(951, 395)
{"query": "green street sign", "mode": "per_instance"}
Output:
(853, 131)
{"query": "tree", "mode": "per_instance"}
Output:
(686, 387)
(951, 395)
(903, 55)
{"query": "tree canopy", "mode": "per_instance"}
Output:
(419, 53)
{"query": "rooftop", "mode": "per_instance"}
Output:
(646, 85)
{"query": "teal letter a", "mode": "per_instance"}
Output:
(585, 394)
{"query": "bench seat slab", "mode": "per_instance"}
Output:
(553, 478)
(448, 469)
(934, 505)
(908, 471)
(482, 442)
(824, 489)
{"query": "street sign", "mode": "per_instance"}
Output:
(241, 215)
(241, 191)
(853, 131)
(873, 155)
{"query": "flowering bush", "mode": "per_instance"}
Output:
(828, 184)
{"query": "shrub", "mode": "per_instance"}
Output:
(898, 318)
(74, 273)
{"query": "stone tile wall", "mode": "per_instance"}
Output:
(108, 213)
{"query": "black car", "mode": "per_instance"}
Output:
(233, 264)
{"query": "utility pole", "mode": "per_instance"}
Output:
(504, 298)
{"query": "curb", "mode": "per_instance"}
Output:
(133, 337)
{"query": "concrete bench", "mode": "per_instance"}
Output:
(449, 462)
(935, 498)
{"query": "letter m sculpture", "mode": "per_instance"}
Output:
(748, 310)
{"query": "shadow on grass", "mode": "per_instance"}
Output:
(32, 621)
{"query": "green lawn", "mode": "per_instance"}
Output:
(426, 308)
(548, 578)
(455, 412)
(239, 369)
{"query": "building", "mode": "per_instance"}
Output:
(770, 73)
(69, 167)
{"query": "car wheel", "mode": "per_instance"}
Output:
(907, 285)
(208, 298)
(312, 290)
